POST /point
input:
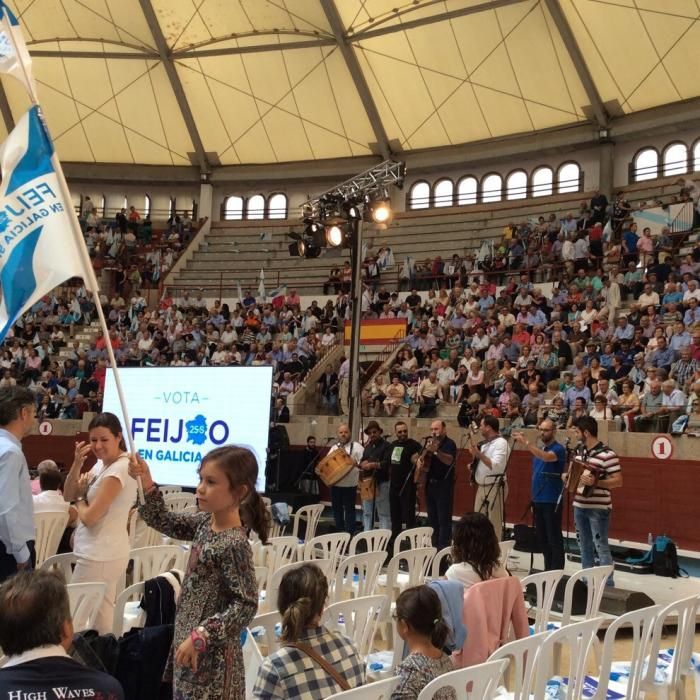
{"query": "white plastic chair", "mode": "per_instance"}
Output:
(444, 553)
(417, 538)
(417, 565)
(149, 562)
(506, 548)
(327, 547)
(167, 490)
(595, 577)
(274, 580)
(62, 562)
(685, 611)
(368, 566)
(280, 551)
(523, 655)
(482, 680)
(374, 541)
(545, 583)
(48, 530)
(578, 636)
(379, 690)
(261, 578)
(142, 535)
(311, 514)
(85, 601)
(127, 610)
(361, 617)
(177, 502)
(269, 621)
(642, 623)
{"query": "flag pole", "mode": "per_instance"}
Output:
(89, 276)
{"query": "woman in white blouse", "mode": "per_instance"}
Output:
(103, 497)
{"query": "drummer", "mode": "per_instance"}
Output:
(344, 492)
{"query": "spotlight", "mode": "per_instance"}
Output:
(351, 210)
(334, 235)
(379, 211)
(297, 249)
(312, 251)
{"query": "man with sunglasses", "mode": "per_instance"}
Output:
(548, 463)
(402, 487)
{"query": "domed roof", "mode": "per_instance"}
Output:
(227, 82)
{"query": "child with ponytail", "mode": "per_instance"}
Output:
(219, 594)
(420, 624)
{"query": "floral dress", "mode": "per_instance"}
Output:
(219, 592)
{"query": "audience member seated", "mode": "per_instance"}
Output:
(420, 623)
(312, 662)
(36, 633)
(476, 555)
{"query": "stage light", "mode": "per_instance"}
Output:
(297, 249)
(312, 251)
(334, 235)
(378, 210)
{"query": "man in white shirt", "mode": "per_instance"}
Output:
(491, 485)
(344, 491)
(445, 377)
(648, 297)
(50, 499)
(692, 292)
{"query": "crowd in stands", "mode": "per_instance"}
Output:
(513, 330)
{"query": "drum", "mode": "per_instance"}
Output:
(334, 466)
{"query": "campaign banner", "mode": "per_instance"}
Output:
(179, 414)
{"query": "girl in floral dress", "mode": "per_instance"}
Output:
(219, 593)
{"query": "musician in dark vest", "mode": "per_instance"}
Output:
(592, 511)
(402, 486)
(375, 465)
(438, 461)
(548, 464)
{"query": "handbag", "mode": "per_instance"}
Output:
(325, 665)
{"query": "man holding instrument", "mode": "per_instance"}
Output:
(374, 466)
(344, 491)
(402, 485)
(592, 511)
(548, 463)
(438, 460)
(491, 487)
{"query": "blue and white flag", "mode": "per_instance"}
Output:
(14, 56)
(38, 248)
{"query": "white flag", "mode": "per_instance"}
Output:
(261, 285)
(14, 57)
(38, 250)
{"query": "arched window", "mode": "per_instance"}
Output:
(147, 206)
(255, 208)
(646, 165)
(696, 156)
(675, 159)
(277, 206)
(492, 188)
(542, 179)
(569, 178)
(233, 208)
(516, 185)
(467, 189)
(419, 195)
(443, 193)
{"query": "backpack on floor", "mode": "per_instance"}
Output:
(665, 558)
